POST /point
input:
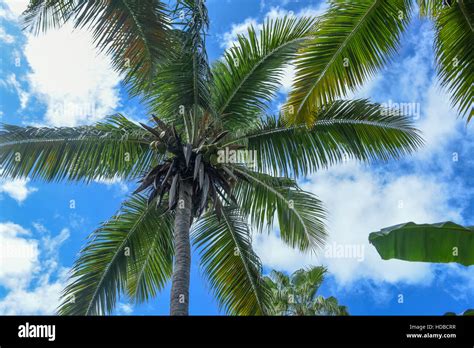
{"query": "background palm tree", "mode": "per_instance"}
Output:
(297, 294)
(354, 39)
(188, 190)
(467, 312)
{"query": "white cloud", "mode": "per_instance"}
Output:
(359, 202)
(14, 9)
(458, 282)
(414, 72)
(11, 82)
(42, 300)
(39, 227)
(124, 308)
(230, 37)
(115, 182)
(17, 189)
(309, 11)
(440, 123)
(51, 244)
(77, 84)
(5, 37)
(27, 269)
(18, 255)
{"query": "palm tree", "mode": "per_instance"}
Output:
(210, 164)
(467, 312)
(297, 294)
(354, 39)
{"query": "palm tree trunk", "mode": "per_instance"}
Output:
(182, 247)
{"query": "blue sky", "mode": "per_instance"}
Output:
(58, 79)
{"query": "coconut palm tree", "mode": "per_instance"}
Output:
(210, 163)
(355, 39)
(297, 294)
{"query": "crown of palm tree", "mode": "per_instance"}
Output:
(297, 294)
(185, 192)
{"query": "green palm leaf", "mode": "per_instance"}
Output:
(307, 282)
(151, 267)
(300, 214)
(353, 40)
(179, 86)
(231, 266)
(248, 76)
(42, 15)
(343, 130)
(455, 53)
(280, 292)
(133, 32)
(328, 306)
(296, 294)
(183, 84)
(122, 254)
(430, 7)
(114, 148)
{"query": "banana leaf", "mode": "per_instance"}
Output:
(442, 242)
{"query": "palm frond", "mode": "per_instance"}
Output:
(183, 85)
(42, 15)
(249, 75)
(353, 40)
(296, 294)
(111, 261)
(151, 266)
(230, 264)
(343, 130)
(110, 149)
(279, 278)
(308, 281)
(454, 46)
(280, 292)
(300, 214)
(328, 306)
(133, 32)
(180, 86)
(430, 7)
